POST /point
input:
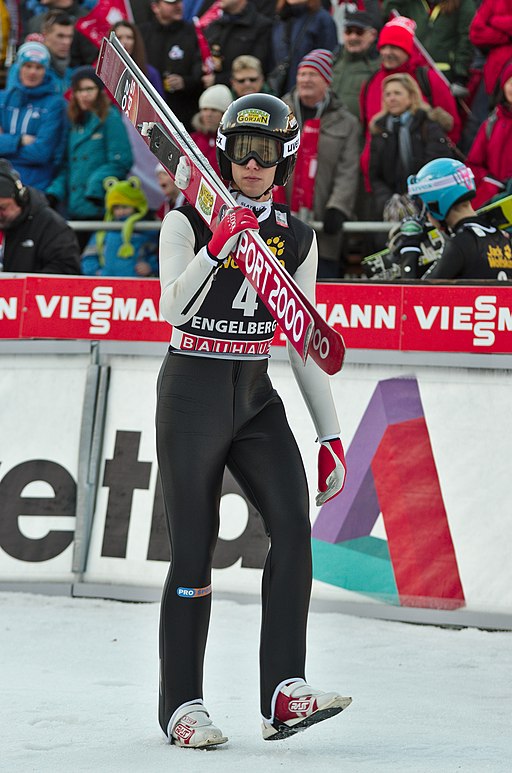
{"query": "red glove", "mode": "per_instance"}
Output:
(227, 231)
(331, 470)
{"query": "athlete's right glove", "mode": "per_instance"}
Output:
(227, 232)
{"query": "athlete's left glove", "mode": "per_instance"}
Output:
(227, 232)
(331, 470)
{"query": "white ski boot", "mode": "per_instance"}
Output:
(296, 706)
(191, 727)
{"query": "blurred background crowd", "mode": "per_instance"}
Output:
(379, 87)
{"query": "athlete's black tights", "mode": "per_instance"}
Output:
(213, 413)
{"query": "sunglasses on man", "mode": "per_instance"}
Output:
(355, 31)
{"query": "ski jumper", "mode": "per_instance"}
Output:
(217, 408)
(476, 250)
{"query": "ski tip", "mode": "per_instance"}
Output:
(328, 352)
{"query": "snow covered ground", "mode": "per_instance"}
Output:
(79, 689)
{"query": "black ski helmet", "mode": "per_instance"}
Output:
(244, 127)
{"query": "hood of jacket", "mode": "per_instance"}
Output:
(23, 94)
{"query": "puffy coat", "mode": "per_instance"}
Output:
(95, 149)
(439, 95)
(444, 35)
(40, 240)
(491, 30)
(38, 111)
(387, 175)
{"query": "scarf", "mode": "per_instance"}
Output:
(401, 125)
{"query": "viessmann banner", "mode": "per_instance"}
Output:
(409, 318)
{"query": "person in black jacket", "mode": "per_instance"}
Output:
(172, 48)
(240, 30)
(36, 239)
(405, 135)
(476, 248)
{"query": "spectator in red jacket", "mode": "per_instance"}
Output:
(398, 55)
(489, 157)
(491, 30)
(213, 103)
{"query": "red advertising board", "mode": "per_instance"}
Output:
(79, 307)
(12, 298)
(369, 316)
(458, 319)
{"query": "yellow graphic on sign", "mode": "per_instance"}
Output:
(205, 201)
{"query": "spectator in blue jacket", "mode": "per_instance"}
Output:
(124, 252)
(32, 118)
(97, 147)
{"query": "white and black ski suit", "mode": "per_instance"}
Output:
(216, 407)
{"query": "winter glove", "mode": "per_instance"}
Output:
(333, 221)
(226, 234)
(408, 237)
(331, 470)
(406, 246)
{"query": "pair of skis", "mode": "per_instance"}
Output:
(169, 141)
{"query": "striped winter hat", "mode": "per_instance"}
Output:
(319, 59)
(33, 52)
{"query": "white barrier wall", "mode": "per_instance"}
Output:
(374, 547)
(41, 402)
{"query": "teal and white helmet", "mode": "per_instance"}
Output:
(442, 183)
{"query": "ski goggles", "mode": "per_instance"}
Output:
(266, 151)
(463, 177)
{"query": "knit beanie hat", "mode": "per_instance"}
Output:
(320, 59)
(87, 71)
(33, 52)
(124, 193)
(217, 97)
(398, 32)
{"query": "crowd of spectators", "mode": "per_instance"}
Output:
(379, 87)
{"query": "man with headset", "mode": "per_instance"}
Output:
(33, 237)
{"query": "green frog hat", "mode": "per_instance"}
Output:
(125, 193)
